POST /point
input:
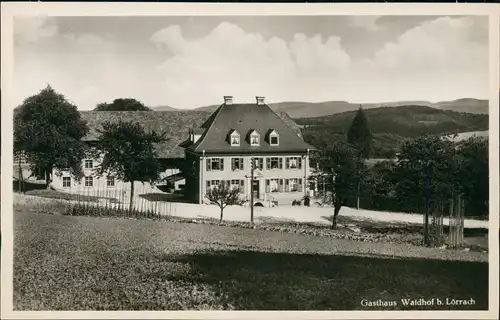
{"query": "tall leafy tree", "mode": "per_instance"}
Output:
(48, 132)
(473, 174)
(360, 137)
(128, 153)
(337, 170)
(127, 104)
(426, 173)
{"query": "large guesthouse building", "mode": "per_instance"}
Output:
(205, 149)
(222, 149)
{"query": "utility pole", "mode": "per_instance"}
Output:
(427, 209)
(20, 173)
(252, 169)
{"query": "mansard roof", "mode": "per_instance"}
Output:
(244, 118)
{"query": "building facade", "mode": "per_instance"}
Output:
(222, 150)
(108, 185)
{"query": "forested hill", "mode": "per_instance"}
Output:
(406, 121)
(392, 125)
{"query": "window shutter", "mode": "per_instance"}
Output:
(208, 184)
(287, 163)
(280, 186)
(280, 163)
(268, 163)
(299, 163)
(209, 167)
(267, 185)
(299, 185)
(241, 163)
(233, 164)
(287, 185)
(261, 163)
(221, 161)
(242, 186)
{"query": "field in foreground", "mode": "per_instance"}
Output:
(85, 263)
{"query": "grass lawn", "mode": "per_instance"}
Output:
(86, 263)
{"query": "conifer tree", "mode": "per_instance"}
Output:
(359, 137)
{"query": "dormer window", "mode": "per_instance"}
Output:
(254, 138)
(273, 137)
(234, 138)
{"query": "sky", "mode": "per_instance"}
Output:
(189, 62)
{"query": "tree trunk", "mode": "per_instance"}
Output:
(21, 178)
(131, 205)
(358, 191)
(221, 215)
(358, 187)
(47, 179)
(336, 211)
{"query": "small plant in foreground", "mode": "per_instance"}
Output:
(224, 195)
(83, 209)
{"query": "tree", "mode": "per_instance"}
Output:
(473, 174)
(426, 173)
(127, 104)
(378, 187)
(128, 153)
(360, 137)
(48, 131)
(337, 169)
(223, 195)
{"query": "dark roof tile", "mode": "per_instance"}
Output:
(245, 118)
(176, 125)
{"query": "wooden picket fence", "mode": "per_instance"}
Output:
(456, 223)
(436, 230)
(103, 201)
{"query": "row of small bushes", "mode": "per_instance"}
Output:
(83, 209)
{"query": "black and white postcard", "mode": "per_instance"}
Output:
(182, 161)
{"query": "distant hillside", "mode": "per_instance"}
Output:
(392, 125)
(165, 108)
(317, 109)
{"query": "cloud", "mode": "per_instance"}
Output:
(365, 22)
(230, 60)
(444, 44)
(440, 59)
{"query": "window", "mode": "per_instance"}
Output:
(274, 163)
(295, 184)
(215, 164)
(212, 183)
(235, 140)
(273, 140)
(294, 163)
(110, 181)
(273, 137)
(254, 139)
(272, 185)
(259, 163)
(66, 182)
(88, 164)
(237, 164)
(238, 184)
(275, 185)
(89, 181)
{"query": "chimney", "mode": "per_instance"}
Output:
(260, 101)
(228, 100)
